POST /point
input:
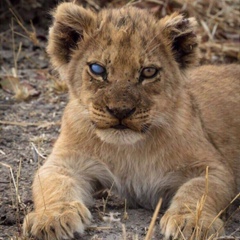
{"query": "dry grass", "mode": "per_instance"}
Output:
(57, 85)
(16, 198)
(197, 232)
(11, 79)
(218, 27)
(31, 35)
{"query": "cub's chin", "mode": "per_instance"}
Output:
(119, 136)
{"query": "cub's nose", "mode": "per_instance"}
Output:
(121, 113)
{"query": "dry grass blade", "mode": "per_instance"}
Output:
(218, 26)
(36, 152)
(124, 232)
(106, 200)
(93, 228)
(125, 214)
(154, 218)
(14, 181)
(17, 202)
(58, 85)
(28, 124)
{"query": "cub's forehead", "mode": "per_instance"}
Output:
(125, 23)
(127, 18)
(126, 32)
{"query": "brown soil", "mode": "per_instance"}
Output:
(31, 126)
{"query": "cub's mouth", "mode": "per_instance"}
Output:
(120, 131)
(120, 126)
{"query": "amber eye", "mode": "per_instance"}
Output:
(149, 72)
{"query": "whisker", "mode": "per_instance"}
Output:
(150, 42)
(95, 41)
(154, 47)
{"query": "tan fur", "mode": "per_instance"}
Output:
(181, 122)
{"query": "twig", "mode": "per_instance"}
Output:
(125, 215)
(13, 179)
(36, 150)
(26, 124)
(99, 228)
(124, 232)
(105, 201)
(2, 152)
(154, 218)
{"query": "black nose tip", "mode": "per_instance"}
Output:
(121, 113)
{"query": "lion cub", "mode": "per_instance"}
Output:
(139, 119)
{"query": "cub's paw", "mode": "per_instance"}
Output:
(175, 225)
(57, 222)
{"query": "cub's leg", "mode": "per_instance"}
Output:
(61, 190)
(186, 217)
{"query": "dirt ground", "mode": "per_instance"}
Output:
(28, 129)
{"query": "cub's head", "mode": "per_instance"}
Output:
(123, 67)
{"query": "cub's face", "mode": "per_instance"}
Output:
(123, 67)
(119, 78)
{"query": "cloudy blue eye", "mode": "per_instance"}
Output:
(97, 69)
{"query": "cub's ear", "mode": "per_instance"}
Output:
(180, 35)
(70, 25)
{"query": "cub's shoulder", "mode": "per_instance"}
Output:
(213, 72)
